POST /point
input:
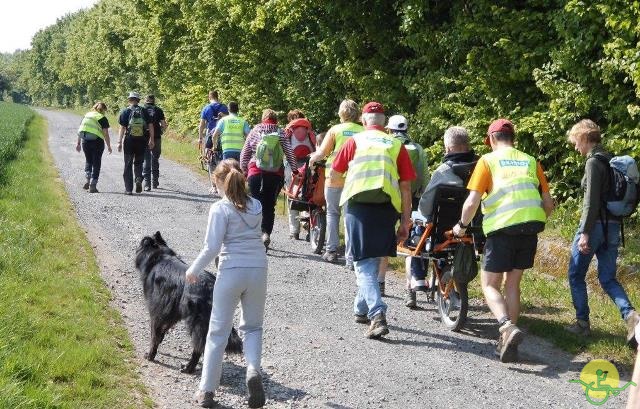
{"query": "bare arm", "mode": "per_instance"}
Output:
(164, 125)
(201, 128)
(547, 203)
(327, 147)
(469, 209)
(405, 217)
(107, 139)
(152, 136)
(121, 131)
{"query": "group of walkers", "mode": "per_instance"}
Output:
(377, 175)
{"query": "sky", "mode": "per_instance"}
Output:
(21, 19)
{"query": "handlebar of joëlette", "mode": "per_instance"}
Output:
(468, 232)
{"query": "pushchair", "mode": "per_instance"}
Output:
(437, 247)
(306, 194)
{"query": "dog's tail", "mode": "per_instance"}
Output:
(234, 345)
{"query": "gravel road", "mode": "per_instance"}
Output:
(314, 354)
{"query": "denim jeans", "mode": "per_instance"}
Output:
(151, 167)
(332, 197)
(368, 299)
(93, 150)
(228, 154)
(134, 149)
(606, 254)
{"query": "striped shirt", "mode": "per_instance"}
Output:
(247, 156)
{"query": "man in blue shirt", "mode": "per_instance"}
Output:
(209, 118)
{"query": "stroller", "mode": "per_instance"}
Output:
(306, 194)
(437, 247)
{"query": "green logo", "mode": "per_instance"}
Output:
(600, 380)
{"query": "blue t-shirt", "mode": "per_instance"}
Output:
(210, 114)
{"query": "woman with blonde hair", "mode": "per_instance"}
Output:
(233, 235)
(92, 135)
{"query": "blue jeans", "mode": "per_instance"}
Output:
(151, 165)
(230, 154)
(606, 254)
(368, 299)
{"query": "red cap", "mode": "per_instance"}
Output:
(373, 108)
(499, 125)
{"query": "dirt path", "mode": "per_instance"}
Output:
(314, 354)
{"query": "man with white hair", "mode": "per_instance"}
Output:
(377, 189)
(457, 152)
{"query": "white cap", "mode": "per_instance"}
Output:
(397, 123)
(135, 95)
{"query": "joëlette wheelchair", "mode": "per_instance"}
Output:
(437, 247)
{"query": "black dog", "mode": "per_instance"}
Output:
(170, 299)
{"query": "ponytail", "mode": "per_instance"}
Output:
(235, 188)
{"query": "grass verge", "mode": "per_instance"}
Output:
(61, 345)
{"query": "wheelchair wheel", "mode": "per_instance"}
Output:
(453, 305)
(317, 229)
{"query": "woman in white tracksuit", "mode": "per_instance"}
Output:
(233, 234)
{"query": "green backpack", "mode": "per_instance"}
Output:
(269, 154)
(414, 150)
(136, 122)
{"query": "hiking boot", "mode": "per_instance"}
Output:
(255, 389)
(378, 327)
(155, 184)
(138, 185)
(93, 189)
(580, 328)
(511, 337)
(266, 240)
(410, 299)
(330, 256)
(86, 185)
(632, 320)
(361, 318)
(295, 236)
(204, 399)
(381, 285)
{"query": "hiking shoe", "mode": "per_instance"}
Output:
(295, 236)
(86, 185)
(128, 193)
(255, 389)
(378, 327)
(632, 320)
(330, 256)
(138, 186)
(499, 346)
(93, 189)
(361, 318)
(580, 328)
(349, 265)
(511, 337)
(410, 299)
(266, 240)
(204, 399)
(381, 285)
(155, 184)
(147, 188)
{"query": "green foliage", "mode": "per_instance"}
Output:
(13, 128)
(543, 63)
(61, 344)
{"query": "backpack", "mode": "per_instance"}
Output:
(465, 265)
(151, 114)
(415, 155)
(269, 153)
(136, 122)
(622, 197)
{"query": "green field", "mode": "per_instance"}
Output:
(61, 344)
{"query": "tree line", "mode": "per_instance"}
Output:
(542, 63)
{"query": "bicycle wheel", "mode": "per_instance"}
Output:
(453, 301)
(317, 229)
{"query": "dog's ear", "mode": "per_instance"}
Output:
(159, 239)
(147, 242)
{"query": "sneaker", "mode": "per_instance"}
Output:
(511, 337)
(93, 189)
(86, 185)
(499, 346)
(632, 320)
(255, 389)
(147, 188)
(580, 328)
(138, 185)
(349, 265)
(330, 256)
(381, 284)
(266, 240)
(410, 299)
(361, 318)
(295, 236)
(378, 327)
(204, 399)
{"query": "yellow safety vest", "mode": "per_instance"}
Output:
(342, 132)
(91, 125)
(374, 167)
(233, 133)
(514, 196)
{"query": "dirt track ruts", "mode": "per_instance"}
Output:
(314, 354)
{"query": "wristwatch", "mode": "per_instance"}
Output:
(462, 226)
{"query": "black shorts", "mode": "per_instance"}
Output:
(506, 252)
